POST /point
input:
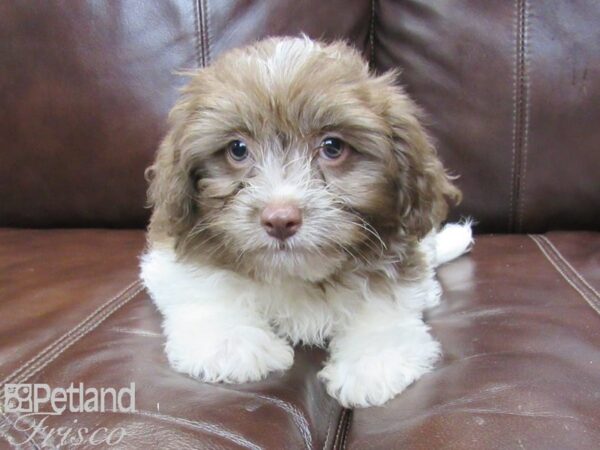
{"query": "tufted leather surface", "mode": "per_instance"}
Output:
(517, 323)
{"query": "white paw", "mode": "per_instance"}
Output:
(373, 379)
(241, 355)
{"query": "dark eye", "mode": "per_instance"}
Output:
(237, 151)
(333, 148)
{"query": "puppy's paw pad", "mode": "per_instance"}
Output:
(244, 355)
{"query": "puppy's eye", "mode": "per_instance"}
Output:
(237, 151)
(333, 149)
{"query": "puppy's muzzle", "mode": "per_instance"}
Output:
(281, 220)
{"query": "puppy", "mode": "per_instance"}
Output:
(297, 201)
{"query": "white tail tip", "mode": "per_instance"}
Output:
(452, 241)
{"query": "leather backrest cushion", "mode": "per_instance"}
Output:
(512, 93)
(511, 90)
(86, 87)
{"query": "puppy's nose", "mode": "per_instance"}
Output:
(281, 220)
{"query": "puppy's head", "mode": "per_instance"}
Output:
(287, 158)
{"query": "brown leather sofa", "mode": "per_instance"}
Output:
(512, 91)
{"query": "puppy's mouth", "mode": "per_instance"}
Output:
(285, 246)
(296, 249)
(295, 258)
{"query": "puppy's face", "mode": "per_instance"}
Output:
(287, 159)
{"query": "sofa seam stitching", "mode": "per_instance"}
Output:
(372, 36)
(42, 363)
(57, 342)
(546, 252)
(197, 33)
(525, 112)
(297, 417)
(203, 31)
(84, 332)
(329, 423)
(347, 429)
(342, 429)
(339, 429)
(567, 270)
(208, 33)
(583, 283)
(517, 129)
(514, 114)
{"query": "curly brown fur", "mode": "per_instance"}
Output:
(390, 193)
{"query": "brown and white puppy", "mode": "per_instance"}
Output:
(296, 201)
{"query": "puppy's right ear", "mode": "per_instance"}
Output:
(171, 191)
(172, 185)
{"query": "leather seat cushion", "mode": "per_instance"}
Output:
(519, 325)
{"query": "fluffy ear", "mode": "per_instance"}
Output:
(171, 192)
(173, 182)
(424, 186)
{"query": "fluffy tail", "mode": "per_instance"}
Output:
(452, 241)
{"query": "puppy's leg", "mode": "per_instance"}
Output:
(381, 351)
(213, 332)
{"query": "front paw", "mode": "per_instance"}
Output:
(243, 354)
(371, 379)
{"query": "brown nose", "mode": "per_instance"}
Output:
(281, 220)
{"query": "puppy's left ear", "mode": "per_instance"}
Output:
(424, 187)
